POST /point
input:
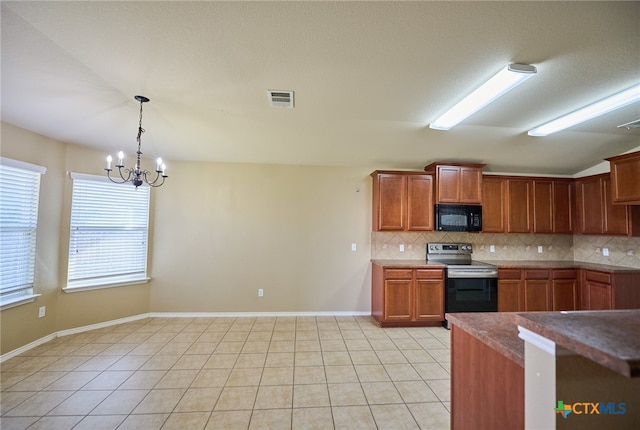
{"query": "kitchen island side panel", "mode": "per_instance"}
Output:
(487, 388)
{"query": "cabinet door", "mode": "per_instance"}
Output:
(448, 184)
(518, 206)
(536, 290)
(563, 202)
(420, 202)
(616, 217)
(509, 291)
(493, 210)
(397, 299)
(391, 201)
(599, 296)
(542, 206)
(429, 300)
(564, 295)
(589, 205)
(470, 185)
(625, 176)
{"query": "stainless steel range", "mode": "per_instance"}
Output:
(470, 286)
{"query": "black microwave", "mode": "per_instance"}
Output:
(450, 217)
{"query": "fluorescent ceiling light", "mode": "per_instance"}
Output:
(506, 79)
(614, 102)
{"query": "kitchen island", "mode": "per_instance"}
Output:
(511, 370)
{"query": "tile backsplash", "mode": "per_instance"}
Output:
(623, 251)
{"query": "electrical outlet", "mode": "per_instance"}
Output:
(401, 248)
(42, 311)
(353, 246)
(492, 248)
(260, 292)
(605, 252)
(540, 249)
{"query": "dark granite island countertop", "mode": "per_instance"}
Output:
(499, 330)
(609, 338)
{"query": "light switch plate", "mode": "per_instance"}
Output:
(401, 248)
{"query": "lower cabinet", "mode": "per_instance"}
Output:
(536, 290)
(597, 291)
(564, 290)
(528, 290)
(407, 296)
(510, 290)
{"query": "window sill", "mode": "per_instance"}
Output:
(80, 288)
(17, 301)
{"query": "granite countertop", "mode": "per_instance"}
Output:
(609, 338)
(525, 264)
(499, 330)
(414, 264)
(559, 264)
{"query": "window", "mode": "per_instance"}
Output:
(19, 194)
(108, 240)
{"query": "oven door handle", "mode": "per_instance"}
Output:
(470, 273)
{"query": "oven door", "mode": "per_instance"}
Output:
(471, 295)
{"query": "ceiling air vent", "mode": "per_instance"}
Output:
(281, 99)
(630, 125)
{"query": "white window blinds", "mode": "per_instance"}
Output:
(19, 194)
(108, 240)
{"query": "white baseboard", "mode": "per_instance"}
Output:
(96, 326)
(253, 314)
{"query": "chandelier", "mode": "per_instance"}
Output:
(136, 175)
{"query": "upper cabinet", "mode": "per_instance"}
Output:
(457, 182)
(625, 179)
(527, 205)
(402, 201)
(596, 213)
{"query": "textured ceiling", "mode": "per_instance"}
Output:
(368, 78)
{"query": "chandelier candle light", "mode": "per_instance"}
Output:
(136, 175)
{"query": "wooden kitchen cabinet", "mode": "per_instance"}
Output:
(429, 290)
(604, 290)
(596, 213)
(407, 296)
(493, 204)
(527, 205)
(536, 290)
(402, 201)
(519, 205)
(457, 183)
(563, 206)
(596, 291)
(527, 290)
(510, 290)
(564, 290)
(625, 178)
(542, 206)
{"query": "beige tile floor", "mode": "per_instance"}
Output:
(232, 373)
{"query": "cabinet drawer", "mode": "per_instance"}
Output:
(429, 274)
(536, 274)
(602, 277)
(398, 274)
(564, 274)
(508, 273)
